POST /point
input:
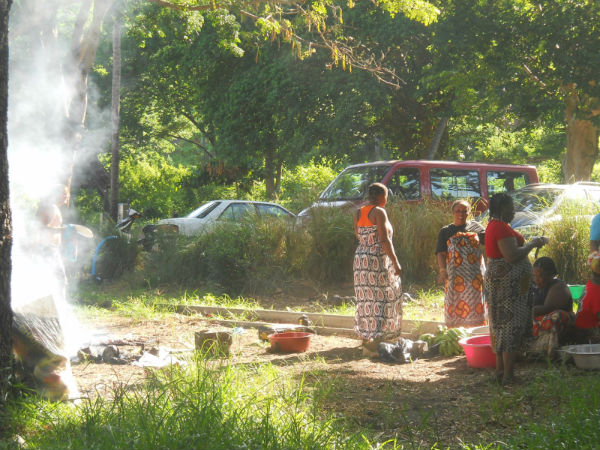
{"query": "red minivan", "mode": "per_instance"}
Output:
(414, 180)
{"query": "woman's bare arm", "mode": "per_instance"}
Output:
(441, 260)
(558, 297)
(513, 252)
(383, 228)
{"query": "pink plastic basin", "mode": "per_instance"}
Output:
(478, 350)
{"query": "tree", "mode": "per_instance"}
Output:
(115, 106)
(255, 104)
(6, 317)
(525, 61)
(273, 18)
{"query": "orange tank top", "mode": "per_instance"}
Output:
(363, 220)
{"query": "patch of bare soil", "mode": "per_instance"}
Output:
(436, 396)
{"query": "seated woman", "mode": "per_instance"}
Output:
(553, 316)
(587, 321)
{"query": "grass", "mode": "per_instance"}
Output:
(558, 408)
(200, 407)
(217, 405)
(428, 304)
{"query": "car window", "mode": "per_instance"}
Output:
(405, 183)
(449, 184)
(204, 210)
(237, 212)
(505, 181)
(594, 194)
(353, 182)
(535, 200)
(577, 201)
(272, 211)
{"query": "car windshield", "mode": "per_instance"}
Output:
(352, 183)
(535, 200)
(203, 210)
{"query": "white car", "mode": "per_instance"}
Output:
(537, 205)
(222, 210)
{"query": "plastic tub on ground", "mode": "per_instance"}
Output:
(290, 342)
(478, 350)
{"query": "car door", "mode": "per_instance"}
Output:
(275, 212)
(237, 212)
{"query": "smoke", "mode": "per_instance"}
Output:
(44, 129)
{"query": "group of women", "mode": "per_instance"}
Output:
(523, 303)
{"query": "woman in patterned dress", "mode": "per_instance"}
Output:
(377, 272)
(460, 260)
(508, 286)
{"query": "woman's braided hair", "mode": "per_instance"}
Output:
(497, 202)
(547, 265)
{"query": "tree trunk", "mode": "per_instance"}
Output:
(6, 352)
(116, 99)
(84, 47)
(582, 146)
(270, 173)
(437, 137)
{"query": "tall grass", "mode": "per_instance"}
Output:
(258, 256)
(416, 228)
(569, 244)
(236, 257)
(332, 243)
(200, 407)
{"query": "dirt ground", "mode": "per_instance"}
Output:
(428, 393)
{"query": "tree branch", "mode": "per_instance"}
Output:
(193, 141)
(537, 80)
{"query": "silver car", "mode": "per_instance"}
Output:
(536, 205)
(216, 211)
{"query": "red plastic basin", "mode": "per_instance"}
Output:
(478, 350)
(290, 342)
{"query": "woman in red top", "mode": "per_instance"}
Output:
(377, 272)
(588, 314)
(508, 284)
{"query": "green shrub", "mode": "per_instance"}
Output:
(153, 185)
(301, 186)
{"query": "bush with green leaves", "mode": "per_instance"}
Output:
(301, 186)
